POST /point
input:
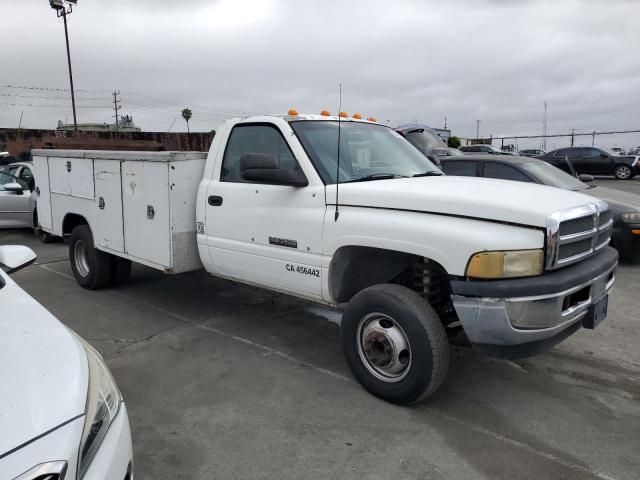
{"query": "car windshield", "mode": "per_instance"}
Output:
(611, 152)
(367, 151)
(554, 177)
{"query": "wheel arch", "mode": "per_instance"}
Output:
(73, 220)
(354, 268)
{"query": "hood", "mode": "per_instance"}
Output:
(618, 200)
(43, 368)
(483, 198)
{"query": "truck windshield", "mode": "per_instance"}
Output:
(367, 151)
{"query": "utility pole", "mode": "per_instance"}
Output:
(116, 107)
(573, 130)
(544, 128)
(593, 138)
(477, 131)
(445, 122)
(63, 10)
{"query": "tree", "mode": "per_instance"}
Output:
(454, 142)
(186, 114)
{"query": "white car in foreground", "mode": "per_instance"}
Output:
(61, 414)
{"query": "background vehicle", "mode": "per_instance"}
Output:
(392, 246)
(531, 152)
(482, 149)
(447, 152)
(62, 413)
(624, 206)
(424, 139)
(594, 161)
(17, 202)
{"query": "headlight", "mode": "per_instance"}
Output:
(632, 217)
(103, 402)
(507, 264)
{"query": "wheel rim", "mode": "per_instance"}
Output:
(80, 258)
(623, 172)
(383, 347)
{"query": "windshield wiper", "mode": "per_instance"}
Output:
(375, 176)
(432, 173)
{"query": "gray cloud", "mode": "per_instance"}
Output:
(497, 61)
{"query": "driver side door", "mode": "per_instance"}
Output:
(260, 233)
(14, 206)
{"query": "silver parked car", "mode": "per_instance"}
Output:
(17, 201)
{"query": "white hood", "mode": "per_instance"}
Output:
(43, 369)
(501, 200)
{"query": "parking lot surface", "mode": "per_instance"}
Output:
(228, 381)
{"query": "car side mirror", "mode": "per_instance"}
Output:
(265, 168)
(604, 155)
(15, 257)
(583, 177)
(13, 187)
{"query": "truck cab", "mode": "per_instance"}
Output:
(346, 212)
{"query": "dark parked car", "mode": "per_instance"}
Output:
(424, 139)
(593, 161)
(625, 206)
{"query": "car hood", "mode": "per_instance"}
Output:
(43, 368)
(482, 198)
(618, 200)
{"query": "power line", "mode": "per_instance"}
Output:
(49, 89)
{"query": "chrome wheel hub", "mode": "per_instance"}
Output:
(383, 347)
(80, 258)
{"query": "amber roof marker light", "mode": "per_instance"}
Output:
(325, 113)
(293, 112)
(357, 116)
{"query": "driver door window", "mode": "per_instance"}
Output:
(255, 139)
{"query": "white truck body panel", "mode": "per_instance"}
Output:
(139, 205)
(43, 192)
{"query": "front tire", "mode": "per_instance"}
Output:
(91, 267)
(622, 172)
(395, 344)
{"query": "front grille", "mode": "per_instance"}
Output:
(605, 217)
(577, 225)
(570, 250)
(577, 233)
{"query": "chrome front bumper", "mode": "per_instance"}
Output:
(526, 319)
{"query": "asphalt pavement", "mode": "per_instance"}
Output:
(225, 381)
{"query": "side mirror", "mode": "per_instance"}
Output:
(265, 168)
(583, 177)
(14, 187)
(604, 155)
(15, 257)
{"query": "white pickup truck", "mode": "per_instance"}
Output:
(414, 258)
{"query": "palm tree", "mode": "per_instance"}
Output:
(186, 114)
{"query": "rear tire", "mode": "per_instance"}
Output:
(395, 344)
(120, 270)
(622, 172)
(91, 267)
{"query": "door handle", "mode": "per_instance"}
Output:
(214, 200)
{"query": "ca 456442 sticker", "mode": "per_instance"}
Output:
(314, 272)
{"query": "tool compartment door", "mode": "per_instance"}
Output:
(108, 231)
(71, 176)
(145, 201)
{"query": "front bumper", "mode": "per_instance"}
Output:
(521, 317)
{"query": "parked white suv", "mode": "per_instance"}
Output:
(61, 414)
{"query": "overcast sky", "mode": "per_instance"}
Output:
(496, 61)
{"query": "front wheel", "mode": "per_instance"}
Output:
(622, 172)
(90, 266)
(395, 344)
